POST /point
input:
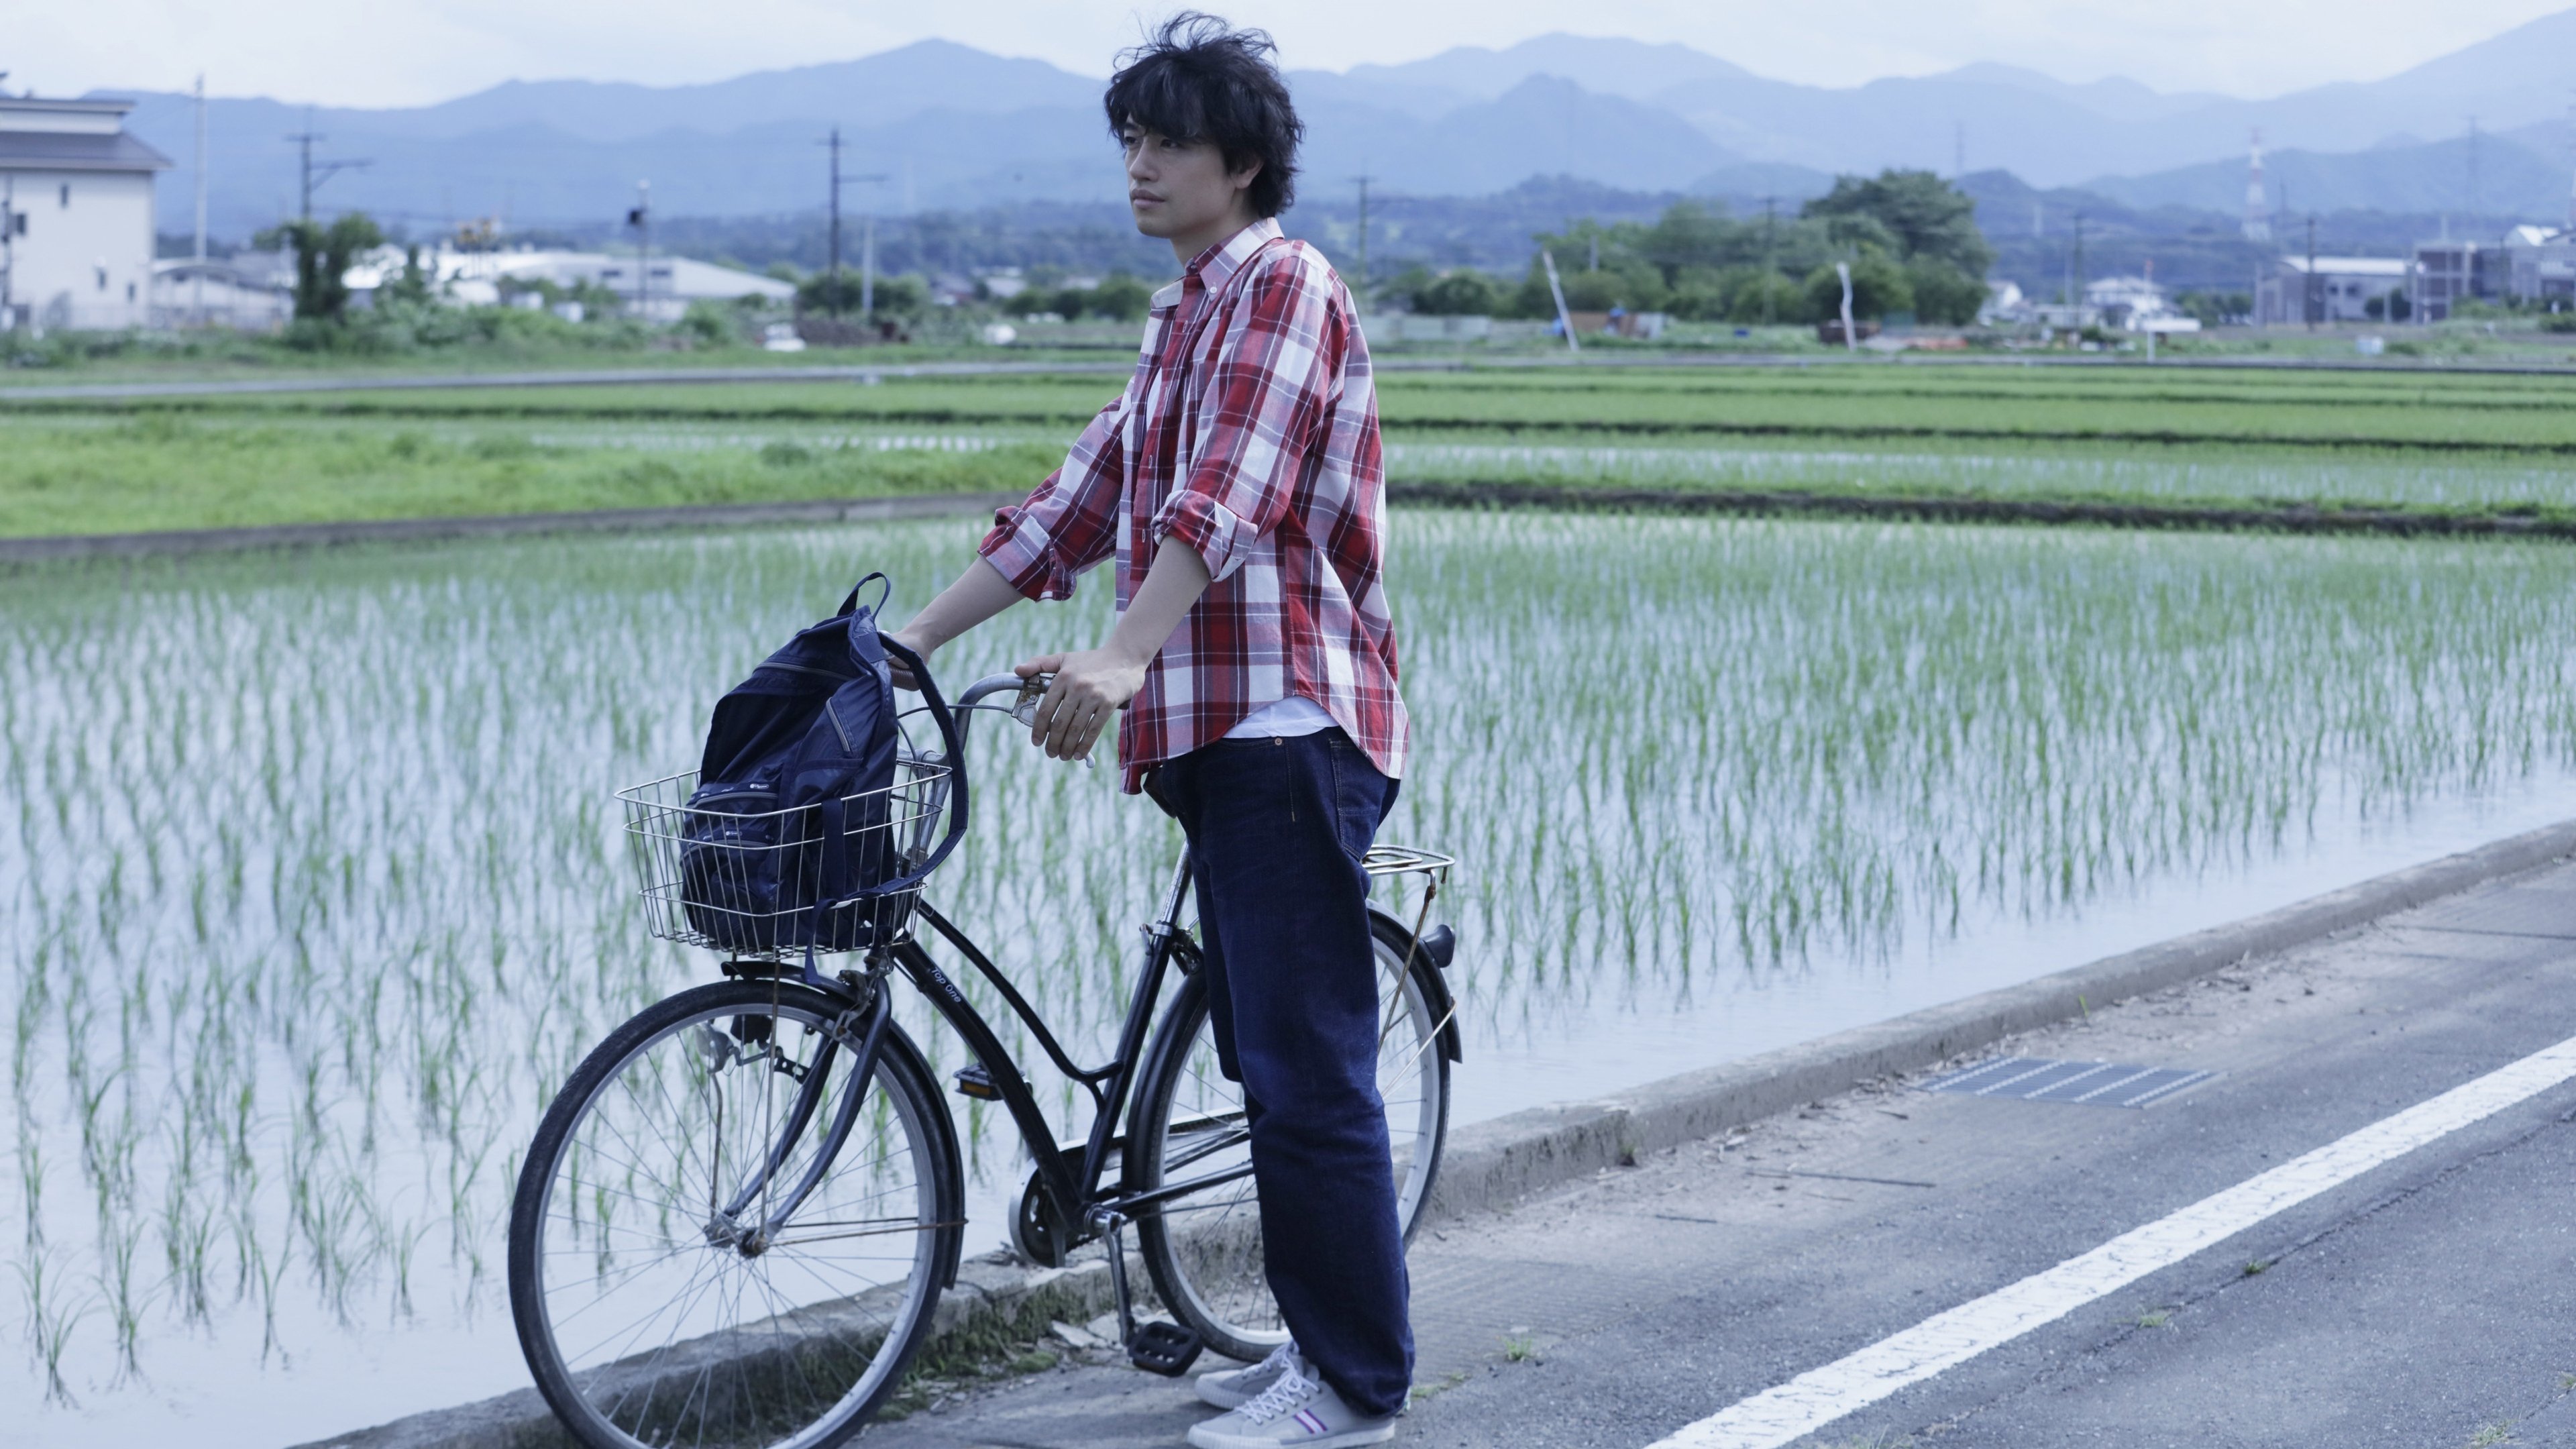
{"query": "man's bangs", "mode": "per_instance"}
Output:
(1155, 97)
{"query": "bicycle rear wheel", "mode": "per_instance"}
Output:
(1204, 1248)
(652, 1307)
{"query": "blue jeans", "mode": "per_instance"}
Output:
(1277, 828)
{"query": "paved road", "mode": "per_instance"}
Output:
(2425, 1303)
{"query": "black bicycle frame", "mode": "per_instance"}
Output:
(1069, 1173)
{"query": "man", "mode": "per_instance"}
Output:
(1237, 482)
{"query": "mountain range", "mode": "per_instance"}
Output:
(939, 125)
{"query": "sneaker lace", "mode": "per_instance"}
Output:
(1284, 1396)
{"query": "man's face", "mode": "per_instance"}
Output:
(1179, 188)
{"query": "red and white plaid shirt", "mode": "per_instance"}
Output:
(1249, 432)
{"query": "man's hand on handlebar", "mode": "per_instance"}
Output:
(1089, 687)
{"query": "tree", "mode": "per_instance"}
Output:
(1463, 293)
(322, 257)
(1925, 215)
(1942, 293)
(1758, 294)
(1121, 297)
(898, 296)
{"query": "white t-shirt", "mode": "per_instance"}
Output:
(1295, 715)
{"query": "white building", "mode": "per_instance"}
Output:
(76, 194)
(668, 286)
(2136, 304)
(2337, 289)
(2539, 265)
(247, 293)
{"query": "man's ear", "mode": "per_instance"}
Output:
(1242, 178)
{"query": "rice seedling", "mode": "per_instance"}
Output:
(1705, 775)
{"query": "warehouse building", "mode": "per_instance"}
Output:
(2297, 291)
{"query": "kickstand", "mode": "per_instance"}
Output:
(1160, 1347)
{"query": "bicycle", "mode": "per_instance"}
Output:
(737, 1216)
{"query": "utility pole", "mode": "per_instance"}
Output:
(2308, 291)
(867, 246)
(2075, 265)
(1770, 219)
(1364, 179)
(1564, 318)
(8, 248)
(832, 287)
(2571, 195)
(2474, 200)
(308, 181)
(8, 242)
(641, 218)
(197, 302)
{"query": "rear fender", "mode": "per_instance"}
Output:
(1426, 969)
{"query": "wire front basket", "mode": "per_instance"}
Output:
(724, 869)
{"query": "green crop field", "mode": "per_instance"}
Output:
(318, 889)
(2172, 436)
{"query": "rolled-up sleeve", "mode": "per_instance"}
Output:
(1070, 522)
(1272, 377)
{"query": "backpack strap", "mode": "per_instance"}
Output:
(885, 590)
(834, 813)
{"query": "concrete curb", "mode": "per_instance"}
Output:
(1492, 1164)
(996, 1303)
(507, 525)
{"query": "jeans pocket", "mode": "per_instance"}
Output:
(1359, 795)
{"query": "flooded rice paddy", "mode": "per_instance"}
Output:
(315, 889)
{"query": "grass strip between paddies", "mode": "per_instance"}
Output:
(1951, 508)
(1820, 1396)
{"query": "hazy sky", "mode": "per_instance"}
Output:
(405, 52)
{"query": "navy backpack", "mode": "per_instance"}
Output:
(795, 813)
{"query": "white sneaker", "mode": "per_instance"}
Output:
(1296, 1410)
(1234, 1388)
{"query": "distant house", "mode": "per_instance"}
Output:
(2291, 293)
(246, 293)
(76, 210)
(2539, 265)
(2136, 304)
(2448, 273)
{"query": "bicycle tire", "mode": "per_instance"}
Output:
(820, 1347)
(1204, 1252)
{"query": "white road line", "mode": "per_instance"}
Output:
(1814, 1399)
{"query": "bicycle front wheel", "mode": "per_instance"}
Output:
(663, 1292)
(1203, 1248)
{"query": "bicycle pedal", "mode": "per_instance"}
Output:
(1164, 1348)
(977, 1083)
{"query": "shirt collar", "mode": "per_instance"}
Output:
(1221, 261)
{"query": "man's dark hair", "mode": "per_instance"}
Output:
(1200, 79)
